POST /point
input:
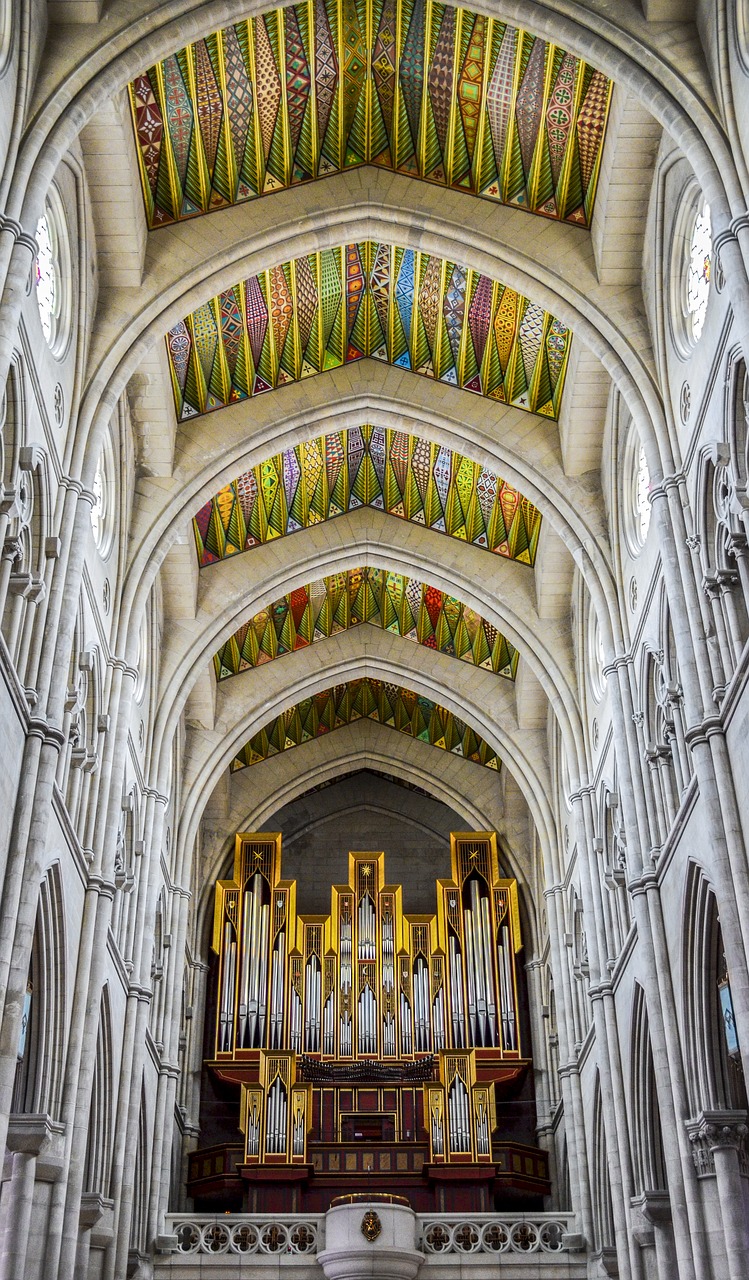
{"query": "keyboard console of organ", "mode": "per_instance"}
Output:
(393, 1032)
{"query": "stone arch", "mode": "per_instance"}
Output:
(603, 1211)
(716, 1080)
(39, 1073)
(649, 1160)
(101, 1113)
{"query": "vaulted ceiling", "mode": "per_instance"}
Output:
(338, 376)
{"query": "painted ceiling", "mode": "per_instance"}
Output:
(396, 603)
(425, 89)
(403, 475)
(405, 308)
(366, 698)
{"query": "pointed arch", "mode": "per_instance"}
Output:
(41, 1051)
(99, 1145)
(649, 1160)
(715, 1080)
(603, 1210)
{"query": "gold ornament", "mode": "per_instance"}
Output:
(371, 1226)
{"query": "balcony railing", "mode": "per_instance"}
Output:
(303, 1234)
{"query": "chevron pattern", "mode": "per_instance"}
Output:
(392, 601)
(388, 704)
(425, 89)
(368, 466)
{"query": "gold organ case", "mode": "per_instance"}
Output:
(369, 1043)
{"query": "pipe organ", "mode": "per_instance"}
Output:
(370, 1027)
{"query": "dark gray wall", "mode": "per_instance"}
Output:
(366, 812)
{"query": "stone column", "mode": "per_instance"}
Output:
(36, 1144)
(653, 1231)
(377, 1240)
(719, 1139)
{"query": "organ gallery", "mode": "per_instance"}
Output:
(369, 1049)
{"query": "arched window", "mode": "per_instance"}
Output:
(41, 1045)
(716, 1078)
(53, 274)
(99, 1144)
(649, 1160)
(611, 846)
(636, 507)
(603, 1212)
(691, 269)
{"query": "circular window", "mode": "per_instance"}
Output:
(637, 506)
(691, 270)
(102, 508)
(596, 656)
(52, 274)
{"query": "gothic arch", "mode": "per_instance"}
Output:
(39, 1074)
(649, 1161)
(715, 1081)
(101, 1113)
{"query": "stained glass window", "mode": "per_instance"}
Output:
(642, 495)
(47, 286)
(596, 656)
(698, 272)
(102, 513)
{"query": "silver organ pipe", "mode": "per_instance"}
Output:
(367, 922)
(491, 998)
(506, 990)
(262, 995)
(312, 990)
(253, 1129)
(297, 1134)
(328, 1025)
(460, 1127)
(295, 1022)
(422, 1030)
(471, 976)
(254, 971)
(438, 1134)
(388, 954)
(438, 1019)
(482, 1005)
(226, 1014)
(456, 992)
(277, 991)
(482, 1129)
(405, 1012)
(367, 1021)
(275, 1123)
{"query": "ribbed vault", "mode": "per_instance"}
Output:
(368, 278)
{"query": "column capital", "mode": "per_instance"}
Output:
(716, 1130)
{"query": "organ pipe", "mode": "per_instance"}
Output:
(367, 981)
(393, 984)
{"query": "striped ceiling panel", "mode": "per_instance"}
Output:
(368, 466)
(392, 601)
(425, 89)
(388, 704)
(405, 308)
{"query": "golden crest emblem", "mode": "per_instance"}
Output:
(371, 1226)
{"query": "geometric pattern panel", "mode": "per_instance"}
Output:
(396, 603)
(403, 475)
(406, 308)
(371, 699)
(436, 92)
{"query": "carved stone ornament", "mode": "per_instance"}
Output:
(371, 1226)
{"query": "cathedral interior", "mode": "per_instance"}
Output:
(374, 828)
